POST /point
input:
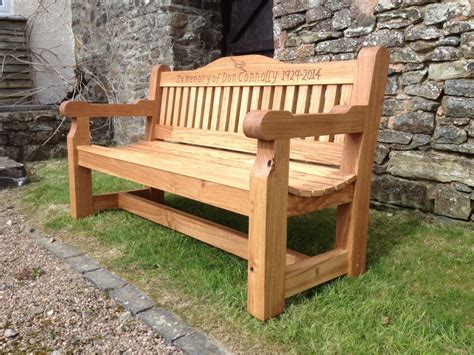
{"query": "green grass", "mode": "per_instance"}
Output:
(420, 276)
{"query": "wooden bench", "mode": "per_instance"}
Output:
(221, 135)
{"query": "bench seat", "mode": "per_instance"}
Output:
(229, 168)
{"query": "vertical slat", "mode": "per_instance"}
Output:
(199, 107)
(330, 100)
(184, 107)
(316, 104)
(164, 106)
(225, 109)
(206, 116)
(155, 93)
(302, 102)
(244, 107)
(256, 101)
(290, 97)
(170, 106)
(267, 97)
(216, 108)
(192, 107)
(346, 92)
(177, 106)
(234, 109)
(278, 95)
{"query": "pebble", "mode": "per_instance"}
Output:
(10, 333)
(9, 223)
(52, 240)
(36, 310)
(50, 312)
(124, 316)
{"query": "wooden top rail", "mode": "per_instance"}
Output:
(255, 70)
(84, 109)
(271, 125)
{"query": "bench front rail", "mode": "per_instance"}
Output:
(267, 144)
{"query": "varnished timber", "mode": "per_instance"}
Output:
(262, 138)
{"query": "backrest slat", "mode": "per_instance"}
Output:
(191, 107)
(267, 97)
(184, 107)
(290, 97)
(170, 106)
(278, 96)
(163, 108)
(235, 104)
(330, 100)
(346, 93)
(216, 108)
(199, 108)
(225, 109)
(207, 107)
(177, 107)
(244, 107)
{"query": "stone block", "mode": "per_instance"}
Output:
(291, 21)
(104, 280)
(459, 87)
(449, 134)
(401, 192)
(464, 148)
(386, 136)
(385, 38)
(414, 77)
(165, 323)
(467, 44)
(422, 32)
(431, 166)
(198, 343)
(418, 103)
(132, 299)
(317, 13)
(428, 89)
(440, 12)
(341, 19)
(340, 45)
(61, 250)
(451, 70)
(452, 203)
(458, 106)
(381, 153)
(404, 55)
(83, 263)
(442, 54)
(414, 122)
(385, 5)
(456, 26)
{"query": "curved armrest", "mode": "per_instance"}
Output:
(271, 125)
(85, 109)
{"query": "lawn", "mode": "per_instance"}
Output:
(417, 295)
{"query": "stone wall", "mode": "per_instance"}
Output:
(30, 133)
(425, 153)
(117, 43)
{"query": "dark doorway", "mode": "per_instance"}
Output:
(247, 27)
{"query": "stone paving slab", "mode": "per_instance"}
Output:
(167, 324)
(197, 343)
(104, 279)
(132, 299)
(83, 263)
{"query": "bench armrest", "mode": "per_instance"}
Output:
(85, 109)
(271, 125)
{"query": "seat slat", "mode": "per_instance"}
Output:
(310, 151)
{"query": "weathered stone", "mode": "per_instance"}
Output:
(441, 54)
(293, 42)
(428, 89)
(458, 106)
(391, 106)
(393, 83)
(379, 169)
(384, 38)
(401, 192)
(165, 323)
(413, 66)
(61, 250)
(83, 263)
(456, 27)
(291, 21)
(418, 141)
(418, 103)
(436, 13)
(470, 129)
(403, 55)
(398, 18)
(311, 37)
(461, 187)
(452, 203)
(414, 122)
(465, 148)
(359, 30)
(467, 44)
(292, 6)
(132, 299)
(414, 77)
(449, 134)
(343, 56)
(337, 46)
(417, 2)
(422, 32)
(384, 5)
(341, 19)
(460, 87)
(427, 166)
(451, 70)
(452, 41)
(104, 279)
(198, 343)
(381, 153)
(422, 46)
(335, 5)
(285, 54)
(305, 50)
(386, 136)
(317, 13)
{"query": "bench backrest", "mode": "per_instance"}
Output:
(214, 99)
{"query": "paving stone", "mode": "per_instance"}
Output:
(59, 249)
(83, 263)
(104, 280)
(132, 299)
(197, 343)
(166, 323)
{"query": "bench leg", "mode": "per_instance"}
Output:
(267, 231)
(80, 178)
(351, 233)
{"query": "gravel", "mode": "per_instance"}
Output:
(46, 306)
